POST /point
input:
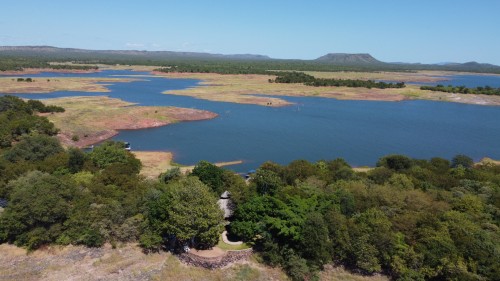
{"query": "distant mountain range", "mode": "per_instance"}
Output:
(341, 59)
(72, 52)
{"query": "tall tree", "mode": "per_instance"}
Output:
(188, 211)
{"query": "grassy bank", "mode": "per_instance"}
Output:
(128, 262)
(54, 84)
(89, 120)
(243, 88)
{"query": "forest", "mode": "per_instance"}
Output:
(309, 80)
(44, 57)
(486, 90)
(411, 219)
(18, 64)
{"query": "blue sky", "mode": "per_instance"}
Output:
(391, 30)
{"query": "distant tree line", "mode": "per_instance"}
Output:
(18, 118)
(260, 67)
(487, 90)
(309, 80)
(18, 64)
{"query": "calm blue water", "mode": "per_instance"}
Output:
(313, 128)
(470, 81)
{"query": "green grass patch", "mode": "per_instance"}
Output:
(227, 247)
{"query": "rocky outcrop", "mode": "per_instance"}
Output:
(215, 262)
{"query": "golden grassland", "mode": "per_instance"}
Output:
(256, 89)
(89, 120)
(54, 84)
(156, 162)
(188, 169)
(128, 262)
(420, 76)
(488, 161)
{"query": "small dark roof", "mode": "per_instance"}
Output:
(3, 202)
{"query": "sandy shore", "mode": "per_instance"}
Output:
(156, 162)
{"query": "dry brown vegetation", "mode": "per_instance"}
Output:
(94, 119)
(128, 262)
(156, 162)
(53, 84)
(255, 89)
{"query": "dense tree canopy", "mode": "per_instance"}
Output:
(411, 219)
(188, 212)
(408, 218)
(486, 90)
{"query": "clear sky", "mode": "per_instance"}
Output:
(427, 31)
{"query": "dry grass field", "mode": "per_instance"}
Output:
(10, 85)
(128, 262)
(256, 89)
(156, 162)
(89, 120)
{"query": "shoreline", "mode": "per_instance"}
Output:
(46, 85)
(243, 89)
(27, 71)
(90, 120)
(255, 89)
(156, 162)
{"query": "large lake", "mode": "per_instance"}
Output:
(312, 129)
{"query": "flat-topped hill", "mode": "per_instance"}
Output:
(343, 58)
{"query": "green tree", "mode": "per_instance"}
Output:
(395, 162)
(462, 160)
(38, 206)
(210, 175)
(112, 152)
(34, 148)
(267, 181)
(170, 175)
(76, 159)
(315, 244)
(187, 210)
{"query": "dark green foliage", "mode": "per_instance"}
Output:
(151, 242)
(210, 175)
(170, 175)
(38, 106)
(17, 119)
(308, 80)
(76, 160)
(187, 212)
(411, 219)
(267, 181)
(462, 160)
(395, 162)
(111, 152)
(38, 203)
(486, 90)
(34, 148)
(15, 104)
(18, 63)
